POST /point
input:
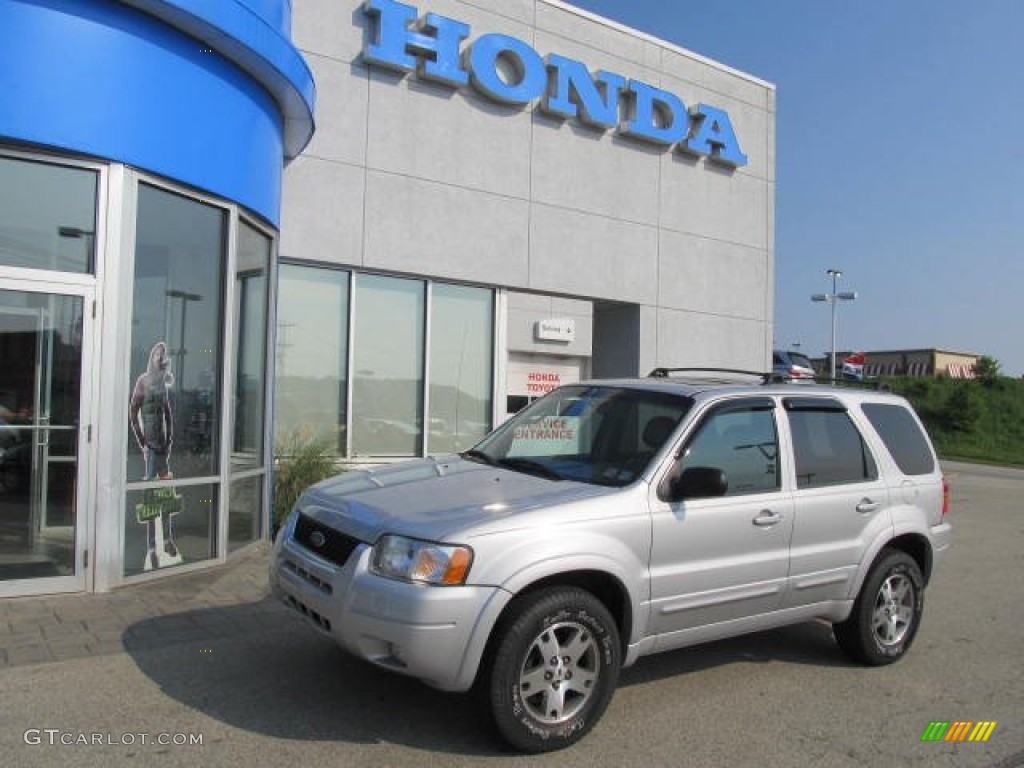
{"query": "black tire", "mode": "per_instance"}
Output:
(543, 704)
(886, 613)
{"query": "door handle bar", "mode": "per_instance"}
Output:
(867, 505)
(767, 518)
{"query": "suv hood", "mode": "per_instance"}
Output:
(432, 498)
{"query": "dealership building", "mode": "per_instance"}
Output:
(383, 226)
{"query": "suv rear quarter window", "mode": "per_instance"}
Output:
(827, 447)
(902, 436)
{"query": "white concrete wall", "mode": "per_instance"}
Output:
(525, 309)
(414, 177)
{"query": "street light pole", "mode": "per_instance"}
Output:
(180, 352)
(835, 273)
(834, 298)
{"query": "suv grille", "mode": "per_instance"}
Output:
(328, 543)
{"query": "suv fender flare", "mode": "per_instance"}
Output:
(550, 566)
(870, 556)
(904, 531)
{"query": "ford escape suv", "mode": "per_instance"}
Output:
(614, 519)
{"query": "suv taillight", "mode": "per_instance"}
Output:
(945, 497)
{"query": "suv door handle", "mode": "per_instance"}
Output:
(767, 518)
(867, 505)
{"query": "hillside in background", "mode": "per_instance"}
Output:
(978, 420)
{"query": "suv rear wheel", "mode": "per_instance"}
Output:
(887, 611)
(554, 668)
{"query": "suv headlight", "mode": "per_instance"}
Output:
(425, 562)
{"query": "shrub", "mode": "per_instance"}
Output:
(300, 462)
(963, 408)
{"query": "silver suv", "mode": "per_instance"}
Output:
(614, 519)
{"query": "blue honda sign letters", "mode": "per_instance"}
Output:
(507, 70)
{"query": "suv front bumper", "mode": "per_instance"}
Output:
(419, 630)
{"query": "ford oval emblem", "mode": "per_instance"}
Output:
(317, 539)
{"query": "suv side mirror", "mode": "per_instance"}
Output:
(697, 483)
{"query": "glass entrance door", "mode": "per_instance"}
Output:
(43, 343)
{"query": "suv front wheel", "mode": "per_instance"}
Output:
(887, 611)
(554, 668)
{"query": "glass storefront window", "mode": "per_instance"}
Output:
(461, 344)
(47, 216)
(245, 504)
(387, 367)
(177, 316)
(311, 393)
(389, 376)
(245, 499)
(252, 265)
(170, 393)
(175, 387)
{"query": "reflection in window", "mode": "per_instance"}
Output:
(388, 351)
(387, 399)
(47, 216)
(461, 321)
(312, 354)
(742, 443)
(250, 346)
(177, 315)
(828, 449)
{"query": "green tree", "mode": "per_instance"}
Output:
(986, 369)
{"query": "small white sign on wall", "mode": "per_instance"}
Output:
(556, 329)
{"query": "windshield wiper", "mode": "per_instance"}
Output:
(474, 455)
(530, 466)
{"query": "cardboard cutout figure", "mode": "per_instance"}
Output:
(153, 426)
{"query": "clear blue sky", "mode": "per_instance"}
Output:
(900, 160)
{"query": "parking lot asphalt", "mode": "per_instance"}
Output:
(212, 654)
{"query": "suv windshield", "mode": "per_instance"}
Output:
(591, 434)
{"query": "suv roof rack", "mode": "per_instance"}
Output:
(875, 384)
(765, 378)
(768, 378)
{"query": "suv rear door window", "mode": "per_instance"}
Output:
(902, 437)
(827, 447)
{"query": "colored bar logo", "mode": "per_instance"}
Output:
(958, 730)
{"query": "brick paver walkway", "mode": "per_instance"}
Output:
(225, 601)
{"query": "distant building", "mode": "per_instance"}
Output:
(908, 362)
